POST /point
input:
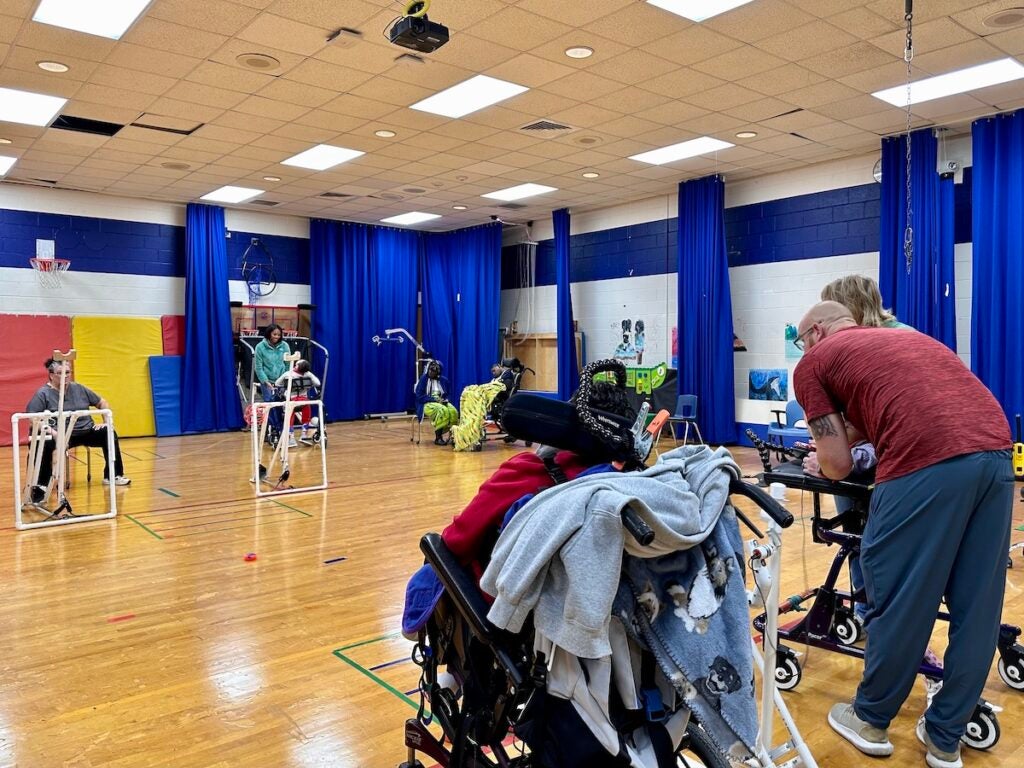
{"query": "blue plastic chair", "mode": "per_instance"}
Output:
(686, 414)
(779, 432)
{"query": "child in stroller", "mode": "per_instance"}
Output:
(519, 680)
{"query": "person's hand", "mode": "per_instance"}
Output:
(811, 466)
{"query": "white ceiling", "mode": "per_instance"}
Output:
(798, 72)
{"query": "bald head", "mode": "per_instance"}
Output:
(823, 319)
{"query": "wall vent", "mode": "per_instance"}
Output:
(265, 203)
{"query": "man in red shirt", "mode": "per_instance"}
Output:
(939, 520)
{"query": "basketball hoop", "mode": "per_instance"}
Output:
(49, 270)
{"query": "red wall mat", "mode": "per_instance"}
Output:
(173, 329)
(27, 341)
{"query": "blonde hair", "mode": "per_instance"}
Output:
(861, 296)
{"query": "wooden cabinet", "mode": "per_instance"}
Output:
(539, 351)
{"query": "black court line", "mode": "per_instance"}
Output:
(387, 664)
(212, 515)
(154, 453)
(233, 528)
(233, 520)
(169, 492)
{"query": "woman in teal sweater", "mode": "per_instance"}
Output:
(269, 365)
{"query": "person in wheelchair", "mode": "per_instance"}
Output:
(474, 404)
(304, 386)
(599, 649)
(431, 392)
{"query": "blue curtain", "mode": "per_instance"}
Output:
(363, 280)
(924, 299)
(209, 398)
(997, 323)
(705, 308)
(462, 301)
(568, 365)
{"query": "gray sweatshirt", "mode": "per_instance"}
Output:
(561, 555)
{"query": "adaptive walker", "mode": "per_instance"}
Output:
(45, 427)
(829, 622)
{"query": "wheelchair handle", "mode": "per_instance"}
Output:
(636, 526)
(772, 508)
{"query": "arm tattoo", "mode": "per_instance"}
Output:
(822, 427)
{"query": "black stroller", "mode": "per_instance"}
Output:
(484, 688)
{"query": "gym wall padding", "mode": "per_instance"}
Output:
(27, 341)
(165, 377)
(113, 360)
(173, 329)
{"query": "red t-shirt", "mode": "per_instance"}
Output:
(911, 396)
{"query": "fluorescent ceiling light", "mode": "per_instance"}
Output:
(681, 151)
(6, 163)
(231, 194)
(960, 81)
(519, 192)
(322, 156)
(698, 10)
(105, 18)
(413, 217)
(28, 108)
(469, 96)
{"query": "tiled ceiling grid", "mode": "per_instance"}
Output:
(797, 72)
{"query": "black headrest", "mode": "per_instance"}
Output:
(557, 424)
(511, 362)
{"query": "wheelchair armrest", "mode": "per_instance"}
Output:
(459, 583)
(771, 507)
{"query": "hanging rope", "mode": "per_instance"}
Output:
(908, 56)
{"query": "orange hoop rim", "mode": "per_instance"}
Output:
(50, 265)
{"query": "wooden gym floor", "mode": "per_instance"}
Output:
(149, 641)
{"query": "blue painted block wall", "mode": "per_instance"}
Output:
(133, 247)
(832, 223)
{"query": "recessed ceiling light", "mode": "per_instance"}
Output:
(413, 217)
(958, 81)
(469, 96)
(698, 10)
(322, 156)
(746, 134)
(520, 191)
(231, 194)
(271, 178)
(6, 141)
(682, 150)
(6, 162)
(385, 134)
(591, 175)
(579, 52)
(28, 108)
(52, 66)
(110, 18)
(460, 207)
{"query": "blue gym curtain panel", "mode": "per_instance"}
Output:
(209, 398)
(363, 280)
(925, 298)
(997, 323)
(461, 279)
(705, 308)
(568, 365)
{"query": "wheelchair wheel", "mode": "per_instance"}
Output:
(698, 751)
(846, 629)
(787, 670)
(982, 729)
(1012, 673)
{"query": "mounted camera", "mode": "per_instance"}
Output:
(416, 31)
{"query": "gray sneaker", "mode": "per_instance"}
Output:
(864, 736)
(936, 758)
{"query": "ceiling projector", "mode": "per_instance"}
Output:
(416, 31)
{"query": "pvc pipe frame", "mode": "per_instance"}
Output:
(65, 426)
(260, 421)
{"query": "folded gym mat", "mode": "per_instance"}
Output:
(28, 341)
(172, 327)
(165, 378)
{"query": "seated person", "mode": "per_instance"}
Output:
(302, 381)
(432, 401)
(474, 403)
(86, 432)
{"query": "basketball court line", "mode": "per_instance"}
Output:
(368, 671)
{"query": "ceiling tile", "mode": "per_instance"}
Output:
(26, 59)
(151, 32)
(184, 109)
(928, 37)
(297, 93)
(114, 97)
(796, 121)
(777, 82)
(9, 27)
(693, 44)
(1011, 41)
(45, 37)
(474, 54)
(232, 78)
(286, 34)
(672, 113)
(826, 8)
(554, 51)
(627, 126)
(723, 97)
(329, 14)
(582, 86)
(390, 91)
(331, 121)
(509, 140)
(519, 29)
(637, 24)
(206, 95)
(248, 122)
(864, 23)
(848, 60)
(305, 133)
(682, 83)
(756, 21)
(585, 116)
(279, 110)
(229, 52)
(821, 93)
(858, 106)
(148, 60)
(219, 16)
(325, 75)
(632, 67)
(761, 109)
(118, 77)
(574, 14)
(631, 100)
(542, 104)
(811, 39)
(957, 57)
(738, 63)
(39, 83)
(531, 71)
(356, 106)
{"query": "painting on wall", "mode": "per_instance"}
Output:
(768, 384)
(792, 352)
(634, 339)
(737, 344)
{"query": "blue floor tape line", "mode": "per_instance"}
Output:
(387, 664)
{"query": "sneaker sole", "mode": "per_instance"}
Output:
(872, 748)
(932, 760)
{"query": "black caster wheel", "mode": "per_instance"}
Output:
(982, 729)
(846, 629)
(787, 670)
(1012, 672)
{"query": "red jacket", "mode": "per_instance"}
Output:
(472, 533)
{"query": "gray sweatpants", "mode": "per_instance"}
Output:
(942, 531)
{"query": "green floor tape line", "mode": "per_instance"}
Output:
(169, 493)
(383, 684)
(148, 530)
(293, 509)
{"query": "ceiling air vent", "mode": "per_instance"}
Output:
(512, 206)
(265, 203)
(84, 125)
(338, 195)
(547, 128)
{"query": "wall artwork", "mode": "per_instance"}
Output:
(792, 352)
(769, 384)
(737, 344)
(634, 339)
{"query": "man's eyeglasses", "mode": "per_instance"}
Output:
(798, 342)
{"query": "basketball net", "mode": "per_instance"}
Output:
(49, 271)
